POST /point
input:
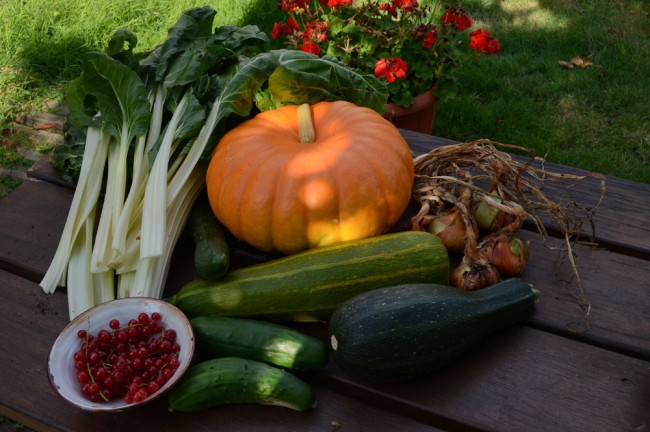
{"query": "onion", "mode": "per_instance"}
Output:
(450, 228)
(493, 214)
(507, 252)
(474, 272)
(490, 218)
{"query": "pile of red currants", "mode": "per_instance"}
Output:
(131, 361)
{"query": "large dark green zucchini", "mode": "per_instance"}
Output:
(309, 285)
(402, 332)
(234, 380)
(264, 341)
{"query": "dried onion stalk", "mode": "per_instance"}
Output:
(514, 187)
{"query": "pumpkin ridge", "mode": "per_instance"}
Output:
(278, 221)
(320, 149)
(258, 229)
(380, 146)
(380, 180)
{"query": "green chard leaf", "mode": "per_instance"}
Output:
(119, 94)
(306, 78)
(193, 24)
(248, 40)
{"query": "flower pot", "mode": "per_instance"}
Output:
(418, 117)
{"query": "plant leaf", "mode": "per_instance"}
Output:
(193, 24)
(120, 95)
(305, 78)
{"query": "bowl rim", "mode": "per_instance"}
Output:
(119, 404)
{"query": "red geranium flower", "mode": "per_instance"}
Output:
(335, 3)
(480, 40)
(284, 28)
(315, 31)
(391, 69)
(459, 21)
(493, 46)
(310, 47)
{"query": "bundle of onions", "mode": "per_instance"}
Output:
(495, 194)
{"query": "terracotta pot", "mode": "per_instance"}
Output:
(418, 117)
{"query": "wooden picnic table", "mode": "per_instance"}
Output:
(537, 376)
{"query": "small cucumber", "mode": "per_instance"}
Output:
(211, 253)
(401, 332)
(233, 380)
(271, 343)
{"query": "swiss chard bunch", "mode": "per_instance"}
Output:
(149, 120)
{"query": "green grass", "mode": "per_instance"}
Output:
(42, 42)
(595, 118)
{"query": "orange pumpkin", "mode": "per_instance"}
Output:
(300, 177)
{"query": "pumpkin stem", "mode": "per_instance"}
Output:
(306, 131)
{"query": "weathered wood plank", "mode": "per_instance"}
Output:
(614, 287)
(33, 217)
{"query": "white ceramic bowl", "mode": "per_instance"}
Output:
(61, 363)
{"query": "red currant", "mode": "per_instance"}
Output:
(82, 377)
(153, 387)
(131, 362)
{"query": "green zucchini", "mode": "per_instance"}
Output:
(264, 341)
(309, 285)
(402, 332)
(233, 380)
(211, 252)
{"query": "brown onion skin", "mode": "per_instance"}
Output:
(507, 253)
(453, 234)
(474, 274)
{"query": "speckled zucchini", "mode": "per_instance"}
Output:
(309, 285)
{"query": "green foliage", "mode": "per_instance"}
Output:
(7, 184)
(596, 118)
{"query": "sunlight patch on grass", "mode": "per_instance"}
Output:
(531, 15)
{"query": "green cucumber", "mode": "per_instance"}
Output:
(264, 341)
(233, 380)
(211, 252)
(309, 285)
(402, 332)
